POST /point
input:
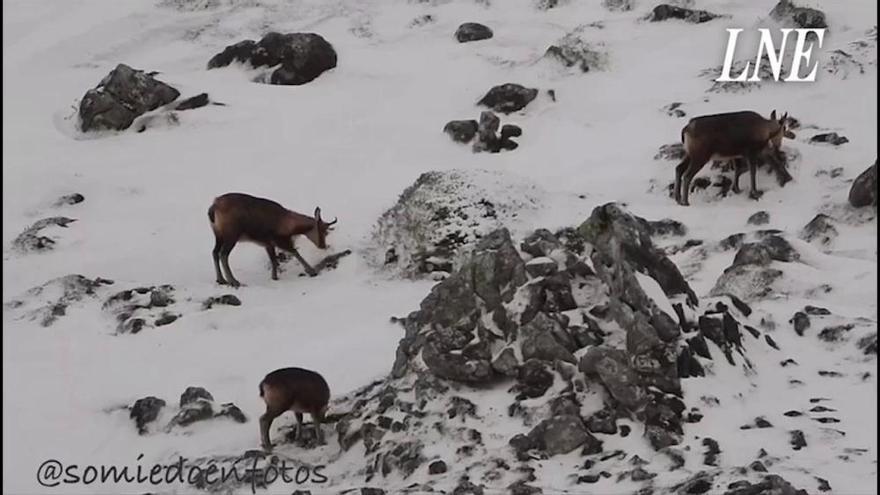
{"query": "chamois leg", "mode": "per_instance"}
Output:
(317, 419)
(689, 174)
(679, 172)
(738, 169)
(299, 426)
(266, 423)
(288, 246)
(754, 193)
(224, 258)
(218, 245)
(273, 258)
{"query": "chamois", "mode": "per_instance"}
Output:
(293, 389)
(240, 217)
(729, 136)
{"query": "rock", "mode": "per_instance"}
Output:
(122, 95)
(816, 311)
(759, 218)
(48, 302)
(197, 410)
(192, 394)
(506, 362)
(541, 267)
(701, 482)
(69, 199)
(145, 411)
(801, 322)
(864, 189)
(538, 340)
(829, 137)
(797, 439)
(472, 31)
(559, 435)
(780, 249)
(443, 214)
(573, 51)
(230, 410)
(540, 243)
(613, 368)
(820, 229)
(772, 484)
(509, 131)
(618, 5)
(664, 11)
(30, 239)
(602, 421)
(487, 139)
(225, 300)
(667, 227)
(437, 467)
(302, 56)
(461, 131)
(533, 379)
(752, 254)
(868, 344)
(674, 151)
(166, 318)
(746, 282)
(192, 102)
(802, 17)
(508, 98)
(835, 333)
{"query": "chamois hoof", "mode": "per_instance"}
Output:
(267, 448)
(221, 281)
(235, 284)
(756, 195)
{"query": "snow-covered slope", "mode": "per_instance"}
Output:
(351, 141)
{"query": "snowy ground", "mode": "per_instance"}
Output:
(350, 142)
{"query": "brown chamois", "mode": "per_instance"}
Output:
(240, 217)
(746, 136)
(293, 389)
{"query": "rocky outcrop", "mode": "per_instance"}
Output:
(122, 96)
(791, 15)
(573, 51)
(442, 215)
(863, 191)
(300, 57)
(508, 98)
(664, 12)
(48, 302)
(31, 241)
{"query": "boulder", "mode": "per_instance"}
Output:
(864, 189)
(123, 95)
(301, 57)
(472, 31)
(508, 98)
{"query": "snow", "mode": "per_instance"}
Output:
(351, 141)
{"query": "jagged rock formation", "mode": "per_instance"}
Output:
(300, 57)
(548, 319)
(123, 95)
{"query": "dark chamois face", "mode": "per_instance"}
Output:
(318, 234)
(776, 138)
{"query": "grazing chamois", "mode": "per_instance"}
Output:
(745, 136)
(240, 217)
(293, 389)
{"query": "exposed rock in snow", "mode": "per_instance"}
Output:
(31, 241)
(864, 189)
(50, 301)
(443, 214)
(122, 96)
(664, 11)
(508, 97)
(472, 31)
(300, 57)
(791, 15)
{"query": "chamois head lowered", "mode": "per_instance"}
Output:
(318, 234)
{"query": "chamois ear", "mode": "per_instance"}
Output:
(773, 115)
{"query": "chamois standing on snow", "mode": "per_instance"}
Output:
(240, 217)
(293, 389)
(742, 136)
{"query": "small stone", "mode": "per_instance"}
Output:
(437, 467)
(759, 218)
(801, 322)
